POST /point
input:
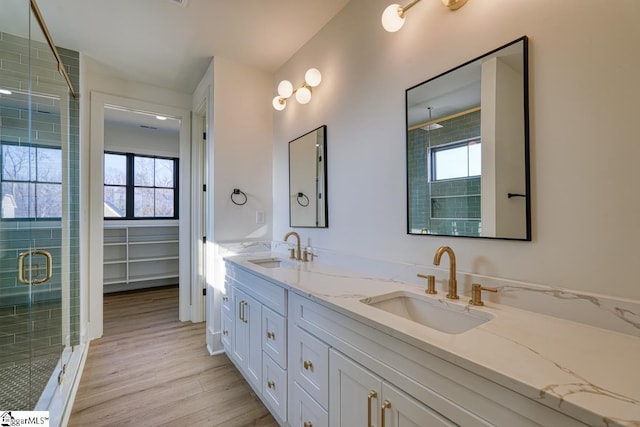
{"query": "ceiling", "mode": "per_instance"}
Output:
(162, 43)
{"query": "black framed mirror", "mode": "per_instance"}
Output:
(308, 180)
(468, 149)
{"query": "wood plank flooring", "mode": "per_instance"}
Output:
(149, 369)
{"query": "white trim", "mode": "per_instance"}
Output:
(96, 202)
(198, 270)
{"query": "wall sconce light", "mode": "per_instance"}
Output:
(312, 78)
(393, 15)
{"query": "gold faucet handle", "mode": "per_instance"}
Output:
(292, 253)
(476, 293)
(431, 283)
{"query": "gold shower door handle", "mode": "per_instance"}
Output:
(21, 268)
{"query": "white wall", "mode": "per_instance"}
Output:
(584, 143)
(242, 150)
(141, 141)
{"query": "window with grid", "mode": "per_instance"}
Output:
(140, 187)
(462, 159)
(31, 181)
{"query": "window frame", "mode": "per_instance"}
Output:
(34, 182)
(450, 146)
(130, 187)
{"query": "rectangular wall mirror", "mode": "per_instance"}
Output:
(468, 149)
(308, 180)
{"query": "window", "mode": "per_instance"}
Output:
(140, 187)
(31, 181)
(457, 160)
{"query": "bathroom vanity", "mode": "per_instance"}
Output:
(323, 346)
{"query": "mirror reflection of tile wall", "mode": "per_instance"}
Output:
(450, 206)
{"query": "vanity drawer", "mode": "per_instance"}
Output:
(274, 339)
(304, 411)
(227, 300)
(274, 386)
(309, 364)
(226, 332)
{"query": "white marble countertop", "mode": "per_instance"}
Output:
(589, 373)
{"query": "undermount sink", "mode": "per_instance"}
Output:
(269, 262)
(439, 315)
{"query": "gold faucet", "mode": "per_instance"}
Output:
(453, 283)
(295, 254)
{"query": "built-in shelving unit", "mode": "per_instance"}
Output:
(140, 255)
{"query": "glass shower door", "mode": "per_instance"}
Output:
(34, 217)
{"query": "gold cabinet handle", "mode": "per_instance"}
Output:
(307, 424)
(246, 317)
(271, 385)
(385, 405)
(271, 335)
(372, 394)
(21, 260)
(308, 365)
(243, 311)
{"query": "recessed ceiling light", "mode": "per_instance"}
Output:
(161, 118)
(5, 92)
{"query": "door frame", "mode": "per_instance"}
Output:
(187, 296)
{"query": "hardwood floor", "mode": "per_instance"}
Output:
(149, 369)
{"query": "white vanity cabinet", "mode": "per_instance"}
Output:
(254, 335)
(420, 388)
(315, 364)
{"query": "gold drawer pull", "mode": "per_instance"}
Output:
(308, 365)
(308, 424)
(385, 405)
(372, 394)
(271, 335)
(271, 385)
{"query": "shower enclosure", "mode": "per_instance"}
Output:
(39, 218)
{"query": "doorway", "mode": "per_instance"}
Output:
(141, 250)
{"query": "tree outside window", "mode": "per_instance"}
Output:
(31, 181)
(139, 186)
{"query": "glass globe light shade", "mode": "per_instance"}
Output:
(285, 89)
(392, 20)
(279, 103)
(303, 95)
(313, 77)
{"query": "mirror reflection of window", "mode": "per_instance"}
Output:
(459, 160)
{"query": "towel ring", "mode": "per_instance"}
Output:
(237, 191)
(304, 198)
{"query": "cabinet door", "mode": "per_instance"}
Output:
(240, 327)
(401, 410)
(354, 393)
(227, 333)
(253, 317)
